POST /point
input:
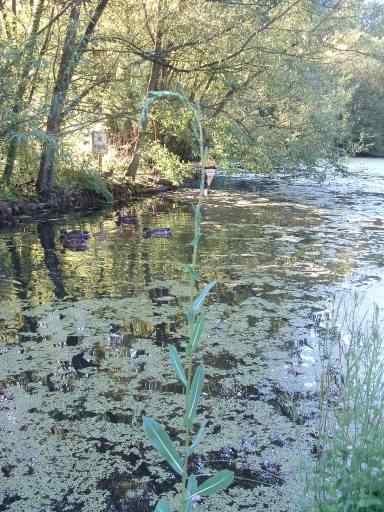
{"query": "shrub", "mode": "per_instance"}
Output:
(165, 164)
(8, 194)
(84, 177)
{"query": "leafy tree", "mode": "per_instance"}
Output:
(73, 50)
(273, 80)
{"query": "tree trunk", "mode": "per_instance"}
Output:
(21, 90)
(71, 55)
(48, 156)
(63, 80)
(153, 85)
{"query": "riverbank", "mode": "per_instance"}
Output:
(16, 211)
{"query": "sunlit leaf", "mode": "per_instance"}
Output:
(201, 298)
(199, 436)
(194, 395)
(160, 440)
(217, 483)
(197, 331)
(177, 365)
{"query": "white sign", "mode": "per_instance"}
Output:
(99, 142)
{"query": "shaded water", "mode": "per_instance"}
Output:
(84, 337)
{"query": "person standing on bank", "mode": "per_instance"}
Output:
(209, 175)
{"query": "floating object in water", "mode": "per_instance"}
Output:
(75, 244)
(76, 234)
(74, 240)
(157, 233)
(125, 219)
(79, 362)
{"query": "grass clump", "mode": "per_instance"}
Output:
(350, 471)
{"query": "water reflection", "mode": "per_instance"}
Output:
(85, 337)
(46, 235)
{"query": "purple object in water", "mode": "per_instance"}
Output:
(76, 234)
(157, 233)
(125, 219)
(74, 240)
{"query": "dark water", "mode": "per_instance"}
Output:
(84, 338)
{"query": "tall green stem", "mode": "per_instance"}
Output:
(193, 382)
(192, 317)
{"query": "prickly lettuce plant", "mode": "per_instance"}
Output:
(192, 380)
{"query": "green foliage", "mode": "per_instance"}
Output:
(367, 113)
(84, 176)
(178, 365)
(160, 440)
(350, 472)
(8, 194)
(161, 162)
(272, 80)
(193, 396)
(199, 301)
(215, 484)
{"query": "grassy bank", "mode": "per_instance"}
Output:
(350, 470)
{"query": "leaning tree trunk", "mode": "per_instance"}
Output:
(71, 55)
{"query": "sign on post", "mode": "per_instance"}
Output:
(99, 142)
(99, 145)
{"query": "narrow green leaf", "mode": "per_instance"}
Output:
(199, 436)
(162, 506)
(194, 394)
(197, 331)
(177, 365)
(201, 298)
(219, 482)
(161, 440)
(191, 488)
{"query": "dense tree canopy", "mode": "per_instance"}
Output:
(279, 83)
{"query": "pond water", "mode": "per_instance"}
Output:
(84, 337)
